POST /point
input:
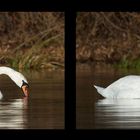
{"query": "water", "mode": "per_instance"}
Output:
(43, 109)
(95, 112)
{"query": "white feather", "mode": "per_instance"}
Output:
(126, 87)
(17, 77)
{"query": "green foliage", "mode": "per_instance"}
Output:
(125, 63)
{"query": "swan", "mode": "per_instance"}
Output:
(125, 87)
(17, 78)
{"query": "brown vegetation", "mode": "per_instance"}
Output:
(32, 39)
(110, 37)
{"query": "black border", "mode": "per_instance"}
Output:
(70, 68)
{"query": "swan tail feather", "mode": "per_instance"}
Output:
(100, 90)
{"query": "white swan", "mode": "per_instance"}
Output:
(17, 77)
(125, 87)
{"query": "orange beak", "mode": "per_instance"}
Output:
(25, 90)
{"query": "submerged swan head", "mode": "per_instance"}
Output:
(25, 88)
(17, 78)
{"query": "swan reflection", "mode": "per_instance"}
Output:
(118, 113)
(13, 113)
(116, 101)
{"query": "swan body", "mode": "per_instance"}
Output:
(16, 77)
(125, 87)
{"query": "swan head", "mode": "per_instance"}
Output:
(17, 78)
(20, 81)
(25, 88)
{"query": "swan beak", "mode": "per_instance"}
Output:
(25, 90)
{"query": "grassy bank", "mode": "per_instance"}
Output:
(35, 57)
(128, 64)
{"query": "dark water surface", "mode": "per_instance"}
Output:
(95, 112)
(43, 109)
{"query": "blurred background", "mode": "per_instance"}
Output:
(110, 37)
(32, 40)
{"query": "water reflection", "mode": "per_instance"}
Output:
(118, 113)
(13, 113)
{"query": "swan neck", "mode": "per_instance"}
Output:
(5, 71)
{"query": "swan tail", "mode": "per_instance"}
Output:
(100, 90)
